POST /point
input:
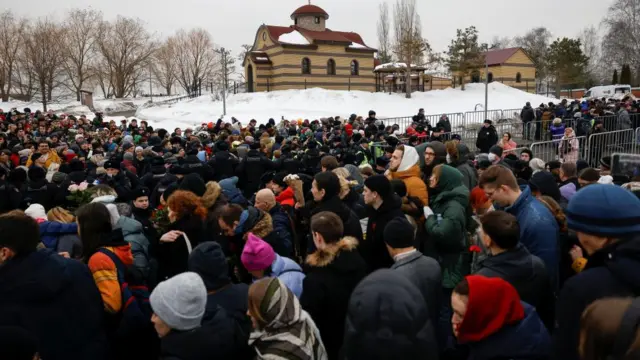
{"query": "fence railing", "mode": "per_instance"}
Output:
(607, 143)
(570, 149)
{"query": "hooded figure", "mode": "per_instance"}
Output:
(492, 320)
(446, 226)
(409, 172)
(388, 318)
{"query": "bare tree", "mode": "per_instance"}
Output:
(384, 36)
(195, 57)
(11, 29)
(164, 66)
(127, 48)
(41, 44)
(409, 44)
(621, 42)
(536, 43)
(80, 47)
(596, 71)
(498, 42)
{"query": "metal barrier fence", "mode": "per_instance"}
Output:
(511, 113)
(563, 149)
(607, 143)
(477, 117)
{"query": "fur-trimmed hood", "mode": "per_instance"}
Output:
(211, 194)
(326, 256)
(259, 223)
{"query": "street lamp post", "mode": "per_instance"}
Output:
(486, 84)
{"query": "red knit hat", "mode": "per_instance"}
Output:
(493, 303)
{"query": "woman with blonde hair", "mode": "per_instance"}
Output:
(60, 233)
(281, 328)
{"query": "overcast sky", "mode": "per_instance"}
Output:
(234, 22)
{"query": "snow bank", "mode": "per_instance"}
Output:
(316, 103)
(396, 65)
(293, 37)
(358, 46)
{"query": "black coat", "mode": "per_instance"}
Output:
(214, 340)
(355, 202)
(224, 164)
(373, 248)
(42, 192)
(332, 274)
(350, 220)
(487, 137)
(527, 274)
(289, 164)
(251, 170)
(527, 114)
(173, 256)
(57, 301)
(193, 165)
(610, 272)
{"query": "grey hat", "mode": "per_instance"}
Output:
(180, 301)
(127, 156)
(58, 177)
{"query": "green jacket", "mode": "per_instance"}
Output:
(447, 228)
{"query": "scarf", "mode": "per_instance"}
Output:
(290, 332)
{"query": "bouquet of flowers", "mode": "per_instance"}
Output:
(78, 194)
(160, 219)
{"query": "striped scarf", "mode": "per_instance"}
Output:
(290, 333)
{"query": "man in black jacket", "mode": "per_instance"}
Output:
(512, 262)
(223, 162)
(487, 137)
(252, 168)
(527, 115)
(40, 191)
(54, 298)
(288, 163)
(383, 206)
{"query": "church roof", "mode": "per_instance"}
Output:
(499, 57)
(309, 10)
(321, 36)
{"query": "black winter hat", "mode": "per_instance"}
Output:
(222, 146)
(36, 173)
(392, 141)
(496, 150)
(554, 164)
(399, 233)
(194, 183)
(605, 162)
(112, 164)
(140, 192)
(157, 161)
(379, 184)
(154, 141)
(169, 191)
(382, 161)
(208, 261)
(278, 179)
(545, 183)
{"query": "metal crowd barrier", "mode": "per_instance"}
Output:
(555, 149)
(607, 143)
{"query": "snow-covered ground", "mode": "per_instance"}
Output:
(73, 107)
(316, 103)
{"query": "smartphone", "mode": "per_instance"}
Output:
(626, 164)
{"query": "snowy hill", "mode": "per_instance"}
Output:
(316, 103)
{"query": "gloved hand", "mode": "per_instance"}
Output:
(427, 211)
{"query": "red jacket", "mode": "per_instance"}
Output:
(286, 197)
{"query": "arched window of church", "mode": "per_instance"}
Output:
(355, 68)
(306, 66)
(331, 67)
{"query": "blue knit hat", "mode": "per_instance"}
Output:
(605, 210)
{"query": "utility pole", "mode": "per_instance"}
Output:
(486, 83)
(150, 86)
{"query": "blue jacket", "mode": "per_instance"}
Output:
(51, 231)
(57, 301)
(231, 191)
(133, 233)
(290, 273)
(538, 230)
(528, 339)
(282, 227)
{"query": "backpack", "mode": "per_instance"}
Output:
(136, 312)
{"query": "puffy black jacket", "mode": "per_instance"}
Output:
(57, 301)
(251, 169)
(224, 164)
(487, 137)
(373, 248)
(43, 193)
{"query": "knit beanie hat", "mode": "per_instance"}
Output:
(208, 261)
(595, 210)
(180, 301)
(399, 233)
(496, 150)
(379, 184)
(257, 254)
(58, 177)
(194, 183)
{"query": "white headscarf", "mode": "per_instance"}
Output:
(409, 158)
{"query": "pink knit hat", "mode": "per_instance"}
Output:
(257, 254)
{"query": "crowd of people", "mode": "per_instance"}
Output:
(301, 240)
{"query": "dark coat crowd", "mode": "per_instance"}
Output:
(326, 239)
